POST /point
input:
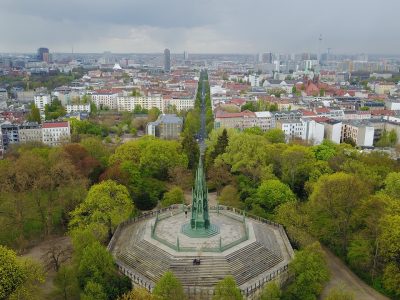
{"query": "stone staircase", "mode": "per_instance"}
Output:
(208, 273)
(147, 259)
(267, 237)
(251, 261)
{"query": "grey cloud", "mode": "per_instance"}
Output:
(200, 25)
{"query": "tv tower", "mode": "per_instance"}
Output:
(319, 47)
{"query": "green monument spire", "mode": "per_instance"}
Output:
(199, 225)
(200, 218)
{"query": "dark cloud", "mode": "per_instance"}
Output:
(200, 25)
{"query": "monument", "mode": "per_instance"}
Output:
(200, 225)
(214, 243)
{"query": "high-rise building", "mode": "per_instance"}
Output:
(185, 55)
(43, 54)
(266, 58)
(167, 60)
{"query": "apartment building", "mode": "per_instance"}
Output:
(105, 99)
(333, 130)
(55, 133)
(264, 120)
(361, 132)
(305, 129)
(78, 108)
(240, 121)
(30, 132)
(41, 100)
(128, 103)
(9, 134)
(180, 103)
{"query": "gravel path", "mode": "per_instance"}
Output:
(341, 274)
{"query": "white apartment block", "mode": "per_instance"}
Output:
(128, 103)
(41, 101)
(362, 133)
(264, 120)
(180, 103)
(254, 80)
(291, 128)
(55, 133)
(78, 108)
(105, 99)
(304, 129)
(313, 131)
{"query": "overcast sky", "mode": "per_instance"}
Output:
(200, 26)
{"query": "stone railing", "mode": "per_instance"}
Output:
(143, 216)
(251, 292)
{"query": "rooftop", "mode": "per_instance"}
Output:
(55, 124)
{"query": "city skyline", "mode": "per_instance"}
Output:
(207, 27)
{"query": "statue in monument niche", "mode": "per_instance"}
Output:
(200, 218)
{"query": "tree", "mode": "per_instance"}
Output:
(325, 151)
(275, 135)
(169, 288)
(272, 193)
(54, 110)
(191, 124)
(137, 293)
(391, 278)
(350, 141)
(12, 274)
(251, 106)
(153, 114)
(246, 154)
(107, 203)
(84, 237)
(96, 149)
(93, 291)
(159, 156)
(389, 238)
(253, 130)
(392, 185)
(332, 208)
(34, 115)
(191, 149)
(181, 177)
(230, 197)
(339, 293)
(310, 273)
(66, 284)
(271, 291)
(55, 255)
(173, 196)
(95, 265)
(221, 145)
(81, 159)
(227, 289)
(34, 277)
(219, 176)
(387, 139)
(297, 163)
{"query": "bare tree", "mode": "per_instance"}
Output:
(55, 255)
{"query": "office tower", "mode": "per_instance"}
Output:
(167, 61)
(267, 58)
(43, 54)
